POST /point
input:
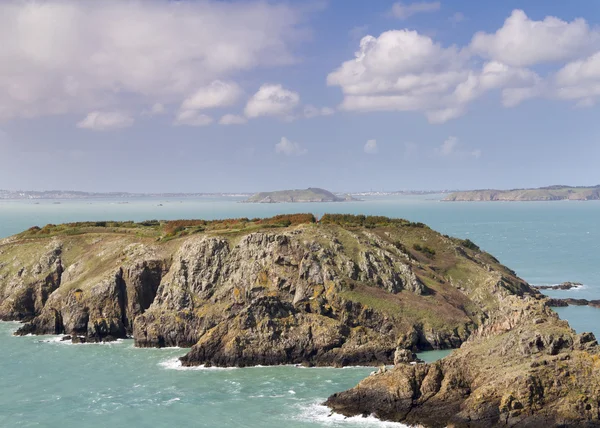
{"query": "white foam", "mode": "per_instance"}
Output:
(171, 401)
(574, 288)
(58, 339)
(175, 364)
(323, 415)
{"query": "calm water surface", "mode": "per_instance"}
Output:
(45, 383)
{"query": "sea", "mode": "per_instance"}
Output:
(48, 383)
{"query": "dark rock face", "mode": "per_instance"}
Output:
(575, 302)
(553, 380)
(105, 312)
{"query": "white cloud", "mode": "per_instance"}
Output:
(217, 94)
(272, 100)
(578, 81)
(523, 42)
(192, 118)
(289, 148)
(371, 147)
(405, 71)
(105, 121)
(311, 111)
(448, 146)
(232, 119)
(404, 11)
(61, 56)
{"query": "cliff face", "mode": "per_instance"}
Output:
(349, 290)
(524, 367)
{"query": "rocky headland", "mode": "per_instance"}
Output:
(346, 290)
(312, 194)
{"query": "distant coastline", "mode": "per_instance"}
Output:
(73, 194)
(550, 193)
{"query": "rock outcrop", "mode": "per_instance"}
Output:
(523, 367)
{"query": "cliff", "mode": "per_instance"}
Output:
(551, 193)
(524, 367)
(312, 194)
(344, 291)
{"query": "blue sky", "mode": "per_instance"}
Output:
(207, 96)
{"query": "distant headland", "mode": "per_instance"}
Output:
(550, 193)
(312, 194)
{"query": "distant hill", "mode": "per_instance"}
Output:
(312, 194)
(550, 193)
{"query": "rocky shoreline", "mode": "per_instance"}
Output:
(524, 367)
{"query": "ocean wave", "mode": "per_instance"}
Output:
(58, 339)
(175, 364)
(323, 415)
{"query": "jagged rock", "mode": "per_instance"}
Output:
(511, 372)
(404, 356)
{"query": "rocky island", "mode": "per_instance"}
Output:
(312, 194)
(551, 193)
(344, 290)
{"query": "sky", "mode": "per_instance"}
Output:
(348, 95)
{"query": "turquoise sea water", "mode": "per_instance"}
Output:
(45, 383)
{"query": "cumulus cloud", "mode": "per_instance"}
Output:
(61, 56)
(404, 70)
(522, 42)
(232, 119)
(192, 118)
(272, 100)
(289, 148)
(217, 94)
(404, 11)
(371, 147)
(311, 111)
(105, 121)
